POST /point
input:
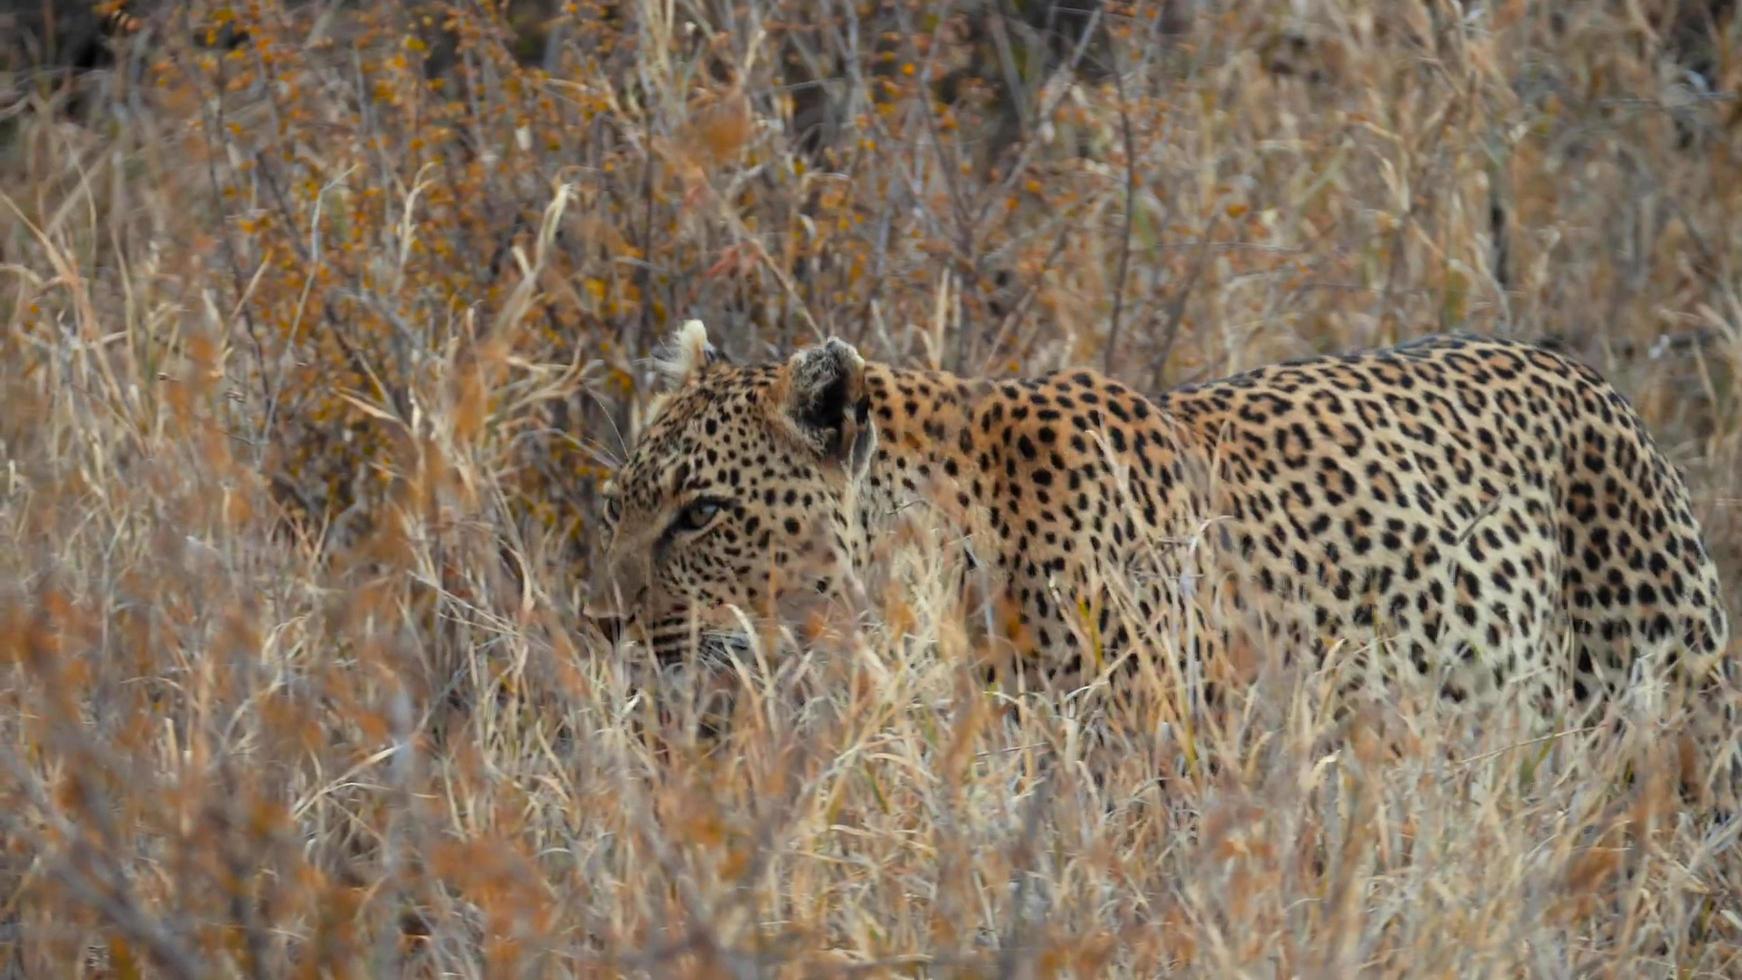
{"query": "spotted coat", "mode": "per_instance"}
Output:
(1476, 515)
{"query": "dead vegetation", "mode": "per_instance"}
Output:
(323, 321)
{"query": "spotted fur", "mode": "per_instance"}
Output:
(1477, 515)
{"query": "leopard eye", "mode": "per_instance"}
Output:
(697, 515)
(613, 510)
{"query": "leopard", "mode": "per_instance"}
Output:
(1471, 514)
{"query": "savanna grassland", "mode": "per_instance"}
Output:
(323, 323)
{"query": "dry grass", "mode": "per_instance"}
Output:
(312, 360)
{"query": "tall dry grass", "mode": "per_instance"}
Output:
(323, 322)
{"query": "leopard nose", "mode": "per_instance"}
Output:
(612, 618)
(616, 591)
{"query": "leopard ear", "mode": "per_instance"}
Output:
(686, 355)
(827, 405)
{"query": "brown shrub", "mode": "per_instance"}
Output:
(323, 321)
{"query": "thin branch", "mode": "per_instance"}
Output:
(1177, 309)
(1111, 354)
